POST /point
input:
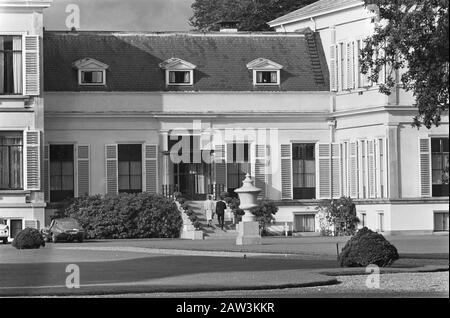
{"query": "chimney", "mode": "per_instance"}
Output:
(229, 26)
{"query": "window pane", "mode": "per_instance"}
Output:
(124, 168)
(135, 168)
(55, 168)
(67, 168)
(124, 183)
(135, 182)
(67, 183)
(55, 182)
(436, 145)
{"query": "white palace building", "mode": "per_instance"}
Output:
(109, 112)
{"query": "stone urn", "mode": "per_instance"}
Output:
(248, 228)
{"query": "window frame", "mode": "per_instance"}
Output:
(22, 163)
(130, 190)
(255, 77)
(22, 35)
(50, 170)
(191, 77)
(293, 144)
(80, 77)
(304, 215)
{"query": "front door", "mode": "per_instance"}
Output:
(191, 179)
(16, 227)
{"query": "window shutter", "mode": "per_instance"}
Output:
(323, 171)
(286, 172)
(150, 180)
(344, 67)
(371, 168)
(32, 166)
(425, 167)
(357, 71)
(259, 167)
(385, 168)
(112, 179)
(336, 170)
(82, 170)
(377, 168)
(47, 173)
(31, 65)
(350, 60)
(220, 165)
(333, 68)
(353, 170)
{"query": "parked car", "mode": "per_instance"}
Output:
(4, 231)
(66, 229)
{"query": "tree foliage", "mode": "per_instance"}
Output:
(415, 40)
(252, 15)
(340, 215)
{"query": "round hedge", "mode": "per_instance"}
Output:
(367, 247)
(28, 239)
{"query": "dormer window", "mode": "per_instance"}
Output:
(91, 72)
(178, 72)
(265, 72)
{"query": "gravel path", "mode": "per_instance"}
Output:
(391, 285)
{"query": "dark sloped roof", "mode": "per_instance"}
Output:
(221, 60)
(314, 9)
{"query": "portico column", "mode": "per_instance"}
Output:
(394, 161)
(165, 157)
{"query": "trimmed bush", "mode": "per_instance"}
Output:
(366, 248)
(28, 239)
(264, 214)
(122, 216)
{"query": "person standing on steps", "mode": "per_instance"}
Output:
(221, 206)
(208, 209)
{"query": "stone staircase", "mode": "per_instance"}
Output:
(215, 232)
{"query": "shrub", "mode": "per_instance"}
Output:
(264, 214)
(28, 239)
(367, 247)
(339, 217)
(121, 216)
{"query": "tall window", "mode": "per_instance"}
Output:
(342, 69)
(11, 162)
(382, 166)
(364, 168)
(61, 172)
(440, 166)
(304, 171)
(10, 65)
(130, 168)
(238, 165)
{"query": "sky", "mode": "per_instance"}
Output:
(122, 15)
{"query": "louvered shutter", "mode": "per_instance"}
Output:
(150, 180)
(333, 69)
(46, 175)
(112, 178)
(323, 171)
(220, 165)
(357, 71)
(350, 61)
(82, 170)
(32, 66)
(286, 172)
(336, 170)
(353, 170)
(425, 167)
(259, 167)
(344, 168)
(32, 166)
(371, 168)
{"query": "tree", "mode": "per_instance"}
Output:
(340, 216)
(412, 39)
(252, 15)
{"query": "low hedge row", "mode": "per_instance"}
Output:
(122, 216)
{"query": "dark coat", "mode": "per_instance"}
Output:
(220, 208)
